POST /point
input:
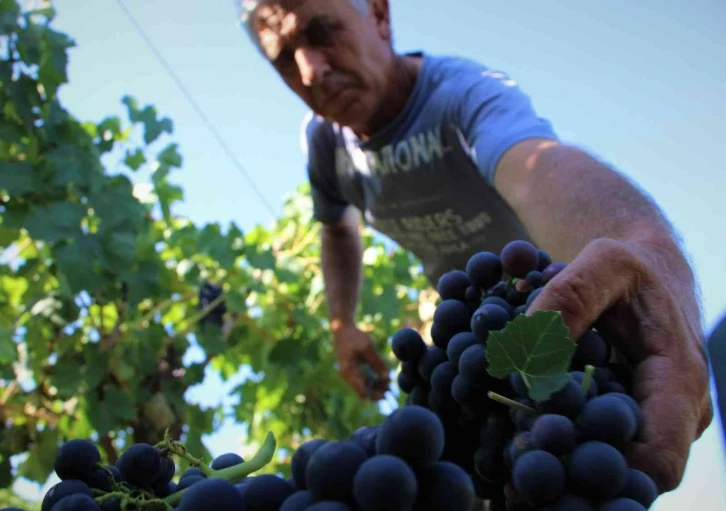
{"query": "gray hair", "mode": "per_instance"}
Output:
(247, 10)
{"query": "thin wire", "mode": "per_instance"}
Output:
(195, 105)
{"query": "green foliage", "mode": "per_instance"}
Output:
(99, 281)
(538, 347)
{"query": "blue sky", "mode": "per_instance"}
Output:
(641, 84)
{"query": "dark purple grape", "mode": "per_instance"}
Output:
(552, 271)
(431, 358)
(76, 459)
(608, 419)
(640, 488)
(452, 285)
(484, 269)
(515, 298)
(519, 258)
(264, 492)
(445, 485)
(440, 335)
(569, 502)
(419, 396)
(597, 470)
(500, 290)
(186, 482)
(213, 494)
(443, 376)
(579, 377)
(298, 501)
(592, 350)
(64, 489)
(539, 477)
(407, 345)
(139, 464)
(554, 433)
(329, 505)
(473, 295)
(301, 458)
(458, 344)
(568, 402)
(452, 316)
(406, 382)
(622, 505)
(488, 318)
(496, 300)
(544, 260)
(473, 365)
(517, 385)
(332, 467)
(365, 437)
(227, 460)
(76, 502)
(534, 279)
(532, 297)
(521, 443)
(414, 434)
(634, 407)
(384, 483)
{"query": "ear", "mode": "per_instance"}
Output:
(381, 13)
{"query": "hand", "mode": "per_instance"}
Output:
(644, 296)
(353, 348)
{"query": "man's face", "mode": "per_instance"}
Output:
(335, 58)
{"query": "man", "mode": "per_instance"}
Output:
(448, 159)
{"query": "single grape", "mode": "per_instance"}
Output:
(489, 462)
(473, 295)
(215, 494)
(622, 505)
(458, 344)
(76, 459)
(186, 482)
(76, 502)
(555, 434)
(569, 502)
(414, 434)
(440, 335)
(517, 385)
(139, 464)
(365, 437)
(64, 489)
(301, 458)
(515, 298)
(484, 269)
(552, 271)
(519, 310)
(487, 318)
(496, 300)
(544, 260)
(384, 483)
(331, 468)
(538, 477)
(443, 376)
(534, 279)
(592, 350)
(453, 285)
(265, 492)
(406, 382)
(608, 419)
(166, 473)
(298, 501)
(452, 317)
(194, 471)
(464, 392)
(616, 387)
(227, 460)
(445, 485)
(442, 403)
(407, 345)
(521, 443)
(568, 402)
(473, 365)
(634, 407)
(597, 470)
(640, 488)
(519, 258)
(431, 358)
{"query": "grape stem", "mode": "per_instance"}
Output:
(510, 402)
(235, 473)
(587, 380)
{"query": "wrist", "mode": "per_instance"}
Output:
(338, 325)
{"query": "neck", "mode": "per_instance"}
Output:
(403, 75)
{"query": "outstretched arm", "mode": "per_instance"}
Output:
(627, 269)
(341, 262)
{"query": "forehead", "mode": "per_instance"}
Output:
(283, 17)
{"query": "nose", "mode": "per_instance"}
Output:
(312, 64)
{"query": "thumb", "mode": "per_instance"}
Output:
(373, 358)
(593, 282)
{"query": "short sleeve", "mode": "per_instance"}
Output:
(493, 115)
(318, 146)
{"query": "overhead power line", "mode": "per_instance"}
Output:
(190, 98)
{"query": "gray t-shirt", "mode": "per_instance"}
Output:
(427, 180)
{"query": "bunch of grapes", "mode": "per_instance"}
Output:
(567, 452)
(396, 466)
(208, 293)
(488, 421)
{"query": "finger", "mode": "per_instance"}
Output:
(354, 378)
(670, 421)
(600, 275)
(377, 364)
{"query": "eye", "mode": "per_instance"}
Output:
(319, 33)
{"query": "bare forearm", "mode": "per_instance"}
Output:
(341, 263)
(570, 199)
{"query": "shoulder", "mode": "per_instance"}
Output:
(315, 132)
(449, 71)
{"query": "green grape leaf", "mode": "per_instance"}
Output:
(135, 160)
(536, 346)
(17, 178)
(8, 349)
(58, 221)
